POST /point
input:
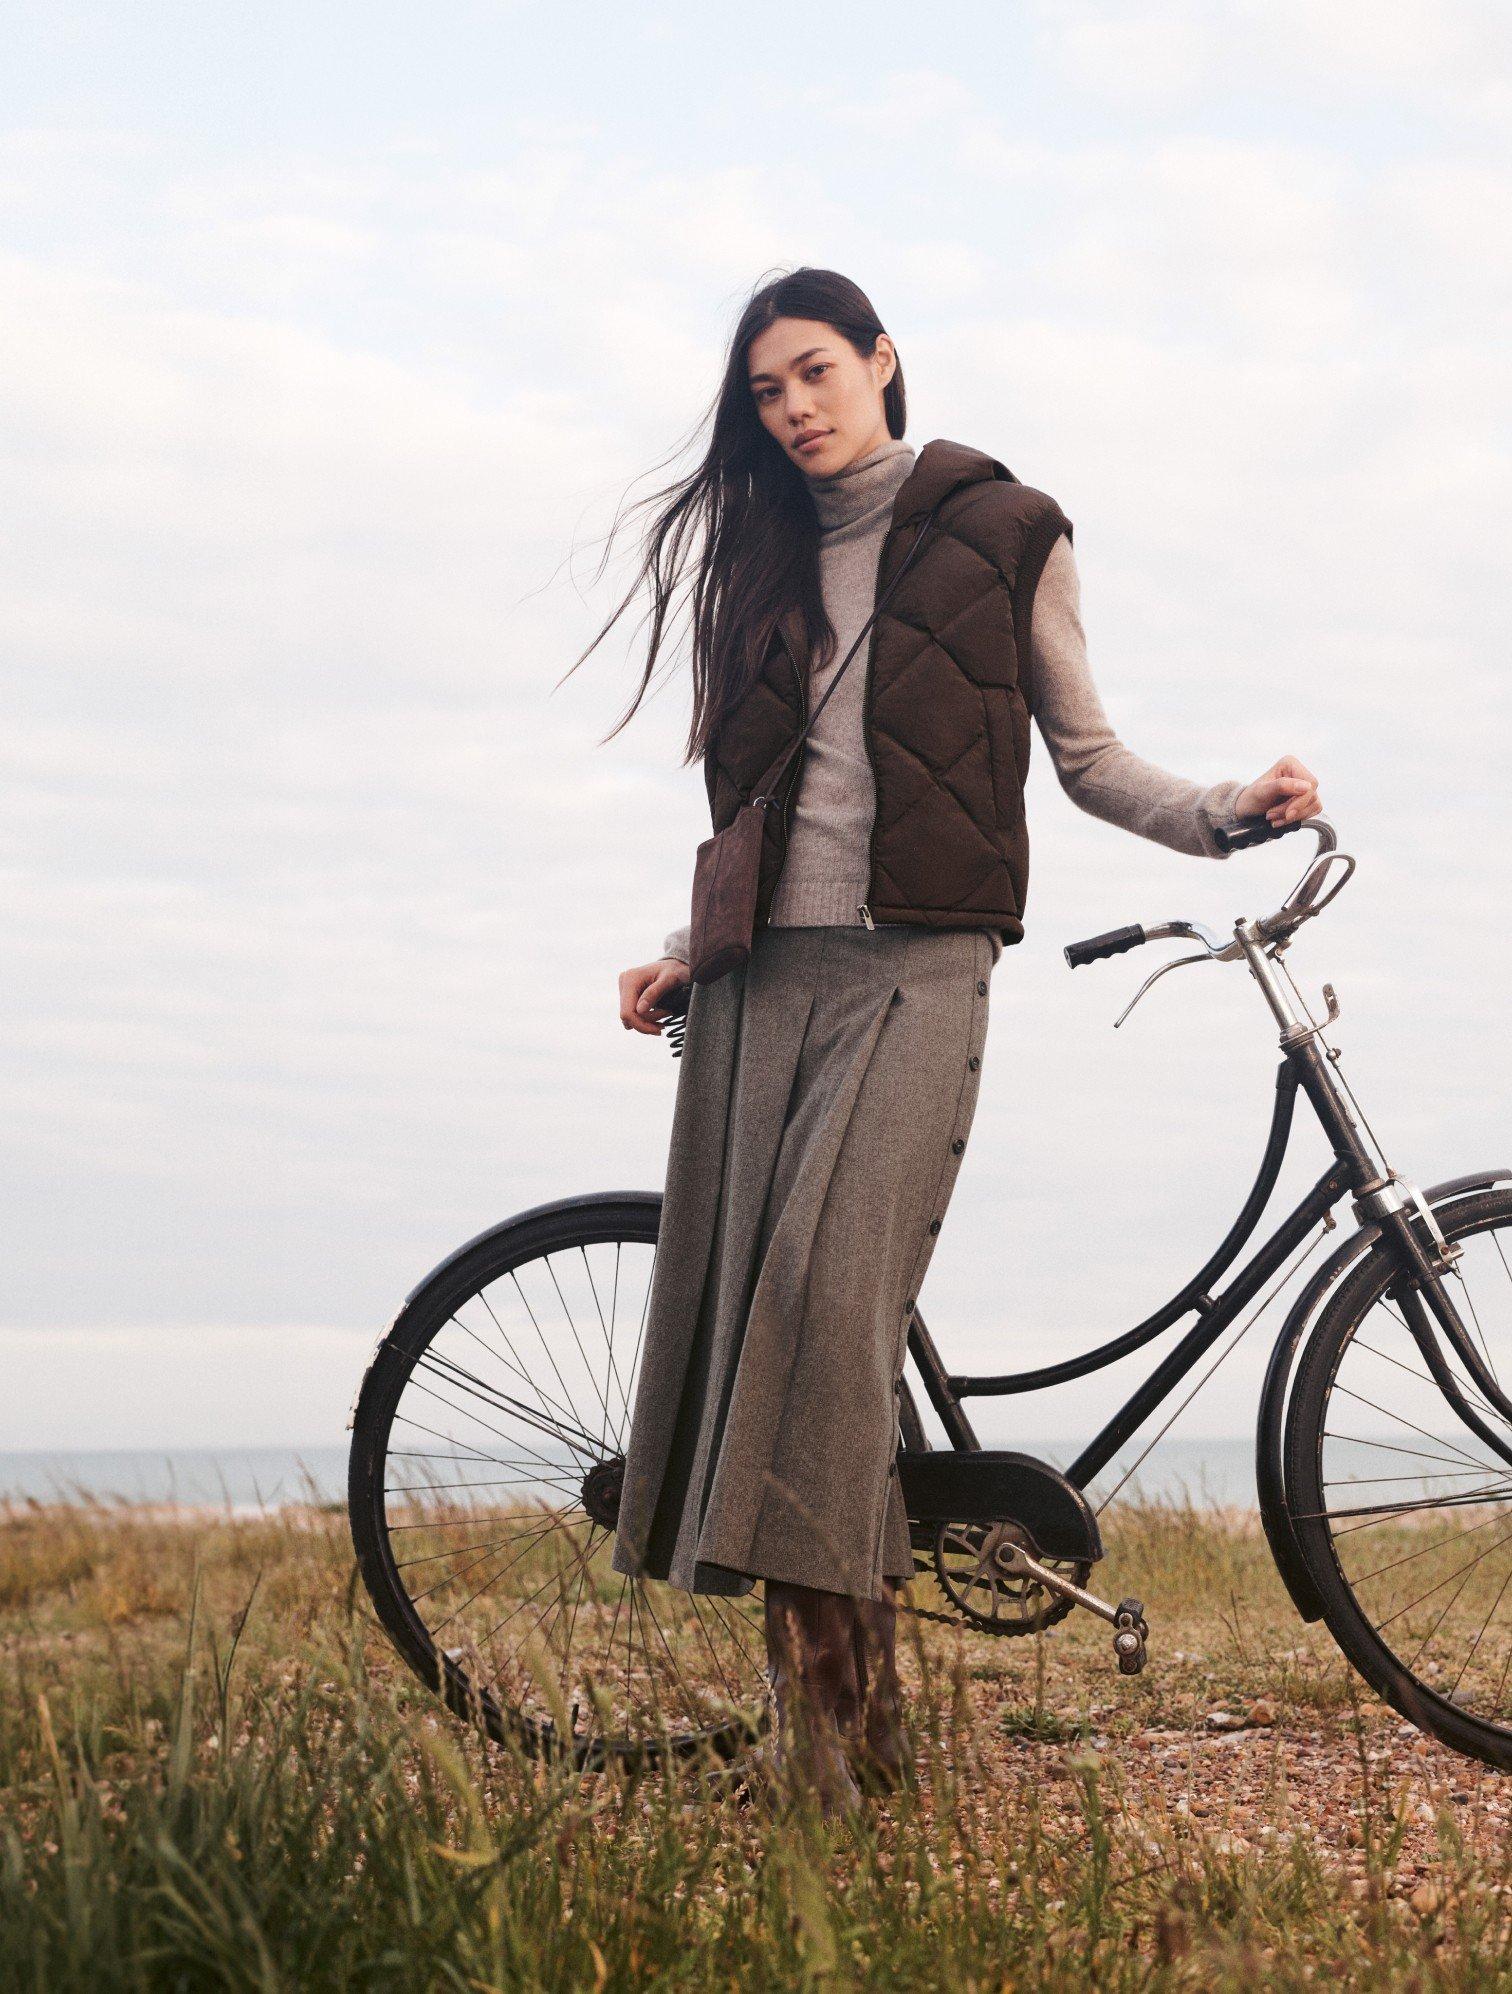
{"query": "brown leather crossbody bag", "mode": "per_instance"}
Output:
(727, 869)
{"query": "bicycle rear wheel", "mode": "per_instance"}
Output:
(487, 1452)
(1403, 1513)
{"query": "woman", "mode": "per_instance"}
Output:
(827, 1087)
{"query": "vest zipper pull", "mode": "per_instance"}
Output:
(865, 913)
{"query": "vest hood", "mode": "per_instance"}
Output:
(939, 469)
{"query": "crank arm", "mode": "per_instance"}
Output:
(1127, 1618)
(1014, 1561)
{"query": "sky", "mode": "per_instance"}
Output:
(333, 336)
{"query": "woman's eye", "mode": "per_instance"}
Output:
(819, 367)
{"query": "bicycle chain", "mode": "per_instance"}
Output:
(955, 1619)
(929, 1613)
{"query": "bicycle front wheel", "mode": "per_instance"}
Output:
(1402, 1511)
(487, 1454)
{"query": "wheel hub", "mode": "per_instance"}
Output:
(602, 1487)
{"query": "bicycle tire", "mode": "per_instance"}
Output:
(1356, 1588)
(639, 1710)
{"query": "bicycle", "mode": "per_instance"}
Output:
(487, 1453)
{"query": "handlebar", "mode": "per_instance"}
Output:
(1237, 835)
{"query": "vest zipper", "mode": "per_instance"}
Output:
(866, 732)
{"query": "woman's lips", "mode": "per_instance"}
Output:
(809, 441)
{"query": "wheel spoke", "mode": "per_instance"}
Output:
(552, 1412)
(440, 1397)
(1458, 1452)
(1382, 1512)
(540, 1333)
(608, 1329)
(1417, 1454)
(1425, 1376)
(496, 1482)
(517, 1363)
(457, 1374)
(587, 1365)
(1478, 1559)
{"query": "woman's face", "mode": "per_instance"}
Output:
(817, 395)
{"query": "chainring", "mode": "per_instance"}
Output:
(967, 1572)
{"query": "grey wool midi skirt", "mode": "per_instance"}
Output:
(824, 1101)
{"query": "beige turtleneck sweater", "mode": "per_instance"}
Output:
(826, 873)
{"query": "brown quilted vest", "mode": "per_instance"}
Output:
(946, 711)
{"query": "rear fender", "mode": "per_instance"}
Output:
(587, 1202)
(1269, 1470)
(650, 1200)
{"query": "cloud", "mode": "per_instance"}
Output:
(1452, 57)
(317, 885)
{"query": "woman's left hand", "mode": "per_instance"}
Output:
(1286, 793)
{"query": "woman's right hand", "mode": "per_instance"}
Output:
(641, 990)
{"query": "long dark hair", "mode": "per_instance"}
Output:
(738, 539)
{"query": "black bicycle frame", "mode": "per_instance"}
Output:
(1351, 1171)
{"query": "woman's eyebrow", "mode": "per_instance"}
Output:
(796, 362)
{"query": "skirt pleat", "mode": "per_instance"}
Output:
(824, 1100)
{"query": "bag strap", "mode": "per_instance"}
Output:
(774, 774)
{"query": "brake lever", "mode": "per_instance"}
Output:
(1176, 962)
(1303, 902)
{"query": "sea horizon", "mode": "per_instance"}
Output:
(1210, 1473)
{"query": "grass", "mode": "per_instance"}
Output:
(215, 1775)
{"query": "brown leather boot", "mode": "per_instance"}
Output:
(882, 1751)
(812, 1669)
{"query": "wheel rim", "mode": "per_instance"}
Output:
(1415, 1508)
(495, 1500)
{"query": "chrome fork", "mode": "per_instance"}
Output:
(1387, 1198)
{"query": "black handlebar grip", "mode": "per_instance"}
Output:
(1241, 832)
(1113, 943)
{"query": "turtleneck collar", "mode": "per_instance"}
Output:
(863, 489)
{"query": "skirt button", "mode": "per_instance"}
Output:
(957, 1146)
(981, 989)
(973, 1062)
(934, 1225)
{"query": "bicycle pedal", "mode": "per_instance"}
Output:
(1130, 1629)
(1131, 1632)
